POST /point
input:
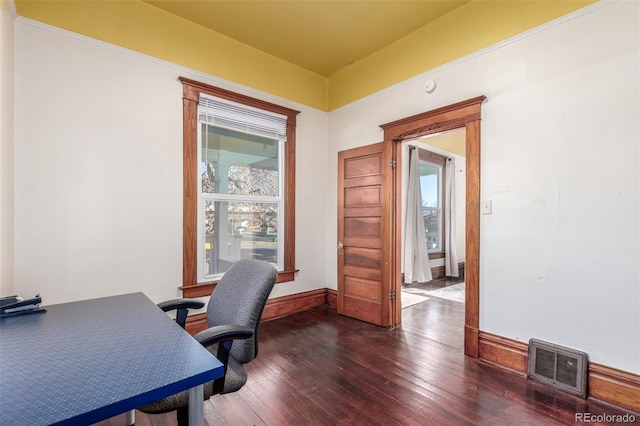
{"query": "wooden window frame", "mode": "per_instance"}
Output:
(191, 94)
(441, 160)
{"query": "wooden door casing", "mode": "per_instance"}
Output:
(467, 115)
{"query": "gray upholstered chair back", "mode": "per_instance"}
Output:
(239, 299)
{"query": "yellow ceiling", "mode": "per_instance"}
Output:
(320, 36)
(324, 54)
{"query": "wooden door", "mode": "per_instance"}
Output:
(364, 234)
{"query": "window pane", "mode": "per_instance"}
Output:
(430, 185)
(238, 163)
(235, 231)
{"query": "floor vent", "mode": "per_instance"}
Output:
(557, 366)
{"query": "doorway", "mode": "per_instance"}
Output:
(462, 115)
(372, 178)
(442, 172)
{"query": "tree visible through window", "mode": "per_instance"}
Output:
(241, 203)
(239, 184)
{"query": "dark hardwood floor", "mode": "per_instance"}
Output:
(319, 368)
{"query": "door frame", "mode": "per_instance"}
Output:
(467, 115)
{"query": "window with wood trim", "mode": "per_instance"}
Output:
(432, 183)
(239, 184)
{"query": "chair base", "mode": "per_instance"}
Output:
(182, 415)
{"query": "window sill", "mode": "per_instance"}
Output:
(436, 255)
(205, 289)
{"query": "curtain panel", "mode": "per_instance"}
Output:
(416, 257)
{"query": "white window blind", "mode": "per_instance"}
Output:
(231, 115)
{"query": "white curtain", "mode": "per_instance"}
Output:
(416, 258)
(450, 238)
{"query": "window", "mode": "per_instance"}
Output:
(432, 178)
(239, 177)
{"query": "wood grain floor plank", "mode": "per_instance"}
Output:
(319, 368)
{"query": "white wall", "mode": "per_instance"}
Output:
(560, 161)
(7, 60)
(98, 171)
(98, 193)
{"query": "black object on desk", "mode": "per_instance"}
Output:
(14, 305)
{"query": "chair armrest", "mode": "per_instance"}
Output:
(182, 306)
(224, 335)
(221, 333)
(172, 304)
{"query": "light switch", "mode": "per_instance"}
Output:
(486, 207)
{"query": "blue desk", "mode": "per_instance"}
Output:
(83, 362)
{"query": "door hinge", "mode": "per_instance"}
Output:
(393, 163)
(392, 295)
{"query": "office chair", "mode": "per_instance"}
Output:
(233, 317)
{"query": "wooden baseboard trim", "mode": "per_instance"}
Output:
(275, 308)
(614, 386)
(605, 384)
(471, 342)
(332, 298)
(300, 302)
(196, 323)
(438, 272)
(503, 352)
